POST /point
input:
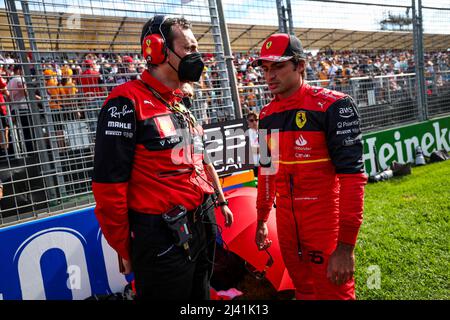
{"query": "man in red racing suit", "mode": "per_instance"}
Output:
(314, 168)
(148, 160)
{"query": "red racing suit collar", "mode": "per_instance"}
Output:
(160, 87)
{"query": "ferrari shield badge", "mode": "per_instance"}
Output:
(300, 119)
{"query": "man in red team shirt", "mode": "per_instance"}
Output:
(149, 160)
(91, 81)
(315, 171)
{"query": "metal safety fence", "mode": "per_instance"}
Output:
(59, 59)
(383, 101)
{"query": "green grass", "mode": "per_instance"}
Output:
(405, 233)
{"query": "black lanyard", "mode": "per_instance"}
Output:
(182, 117)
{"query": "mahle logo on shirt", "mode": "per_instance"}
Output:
(300, 119)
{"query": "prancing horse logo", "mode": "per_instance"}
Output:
(300, 119)
(148, 49)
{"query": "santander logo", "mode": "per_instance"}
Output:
(301, 141)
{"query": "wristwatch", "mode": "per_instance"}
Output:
(223, 203)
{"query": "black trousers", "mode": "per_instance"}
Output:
(162, 270)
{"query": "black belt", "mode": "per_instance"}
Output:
(196, 214)
(156, 220)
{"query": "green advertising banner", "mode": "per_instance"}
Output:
(400, 143)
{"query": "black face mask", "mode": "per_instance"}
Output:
(190, 68)
(187, 102)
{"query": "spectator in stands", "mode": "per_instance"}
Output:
(250, 97)
(125, 70)
(68, 93)
(191, 103)
(323, 73)
(93, 92)
(51, 84)
(252, 122)
(347, 73)
(55, 103)
(243, 100)
(203, 99)
(429, 76)
(4, 125)
(90, 81)
(252, 75)
(140, 68)
(20, 111)
(310, 74)
(332, 70)
(9, 60)
(410, 66)
(109, 74)
(242, 64)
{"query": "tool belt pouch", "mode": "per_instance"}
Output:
(177, 221)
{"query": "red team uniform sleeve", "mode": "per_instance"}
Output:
(266, 193)
(351, 203)
(266, 177)
(112, 215)
(114, 153)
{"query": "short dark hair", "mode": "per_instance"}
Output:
(296, 59)
(166, 29)
(17, 67)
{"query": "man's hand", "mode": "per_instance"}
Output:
(262, 242)
(227, 214)
(125, 267)
(341, 265)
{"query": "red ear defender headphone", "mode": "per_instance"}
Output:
(154, 47)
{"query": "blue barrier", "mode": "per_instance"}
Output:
(64, 257)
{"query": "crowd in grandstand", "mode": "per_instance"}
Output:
(332, 67)
(69, 82)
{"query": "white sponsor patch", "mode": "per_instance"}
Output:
(350, 141)
(118, 113)
(113, 133)
(301, 141)
(341, 132)
(306, 198)
(346, 112)
(117, 124)
(302, 155)
(346, 124)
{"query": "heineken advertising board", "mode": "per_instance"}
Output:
(400, 144)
